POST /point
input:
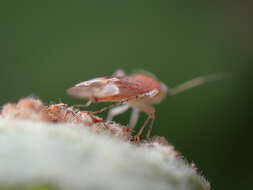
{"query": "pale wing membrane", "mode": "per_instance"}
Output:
(82, 91)
(98, 87)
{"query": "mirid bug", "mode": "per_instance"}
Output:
(138, 91)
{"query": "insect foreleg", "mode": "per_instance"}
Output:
(116, 111)
(133, 118)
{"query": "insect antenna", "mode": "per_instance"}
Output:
(195, 82)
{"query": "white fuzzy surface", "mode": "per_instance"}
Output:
(72, 157)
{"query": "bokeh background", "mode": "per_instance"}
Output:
(48, 46)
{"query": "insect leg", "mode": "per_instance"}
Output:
(150, 111)
(148, 94)
(67, 112)
(150, 126)
(134, 118)
(108, 107)
(116, 111)
(118, 103)
(143, 126)
(83, 105)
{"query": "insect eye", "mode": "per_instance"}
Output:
(165, 90)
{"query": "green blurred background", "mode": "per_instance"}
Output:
(48, 46)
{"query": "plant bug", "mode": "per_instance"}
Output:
(138, 91)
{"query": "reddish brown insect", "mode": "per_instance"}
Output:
(139, 91)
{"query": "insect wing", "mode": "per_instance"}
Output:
(98, 87)
(137, 84)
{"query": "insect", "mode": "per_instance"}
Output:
(138, 91)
